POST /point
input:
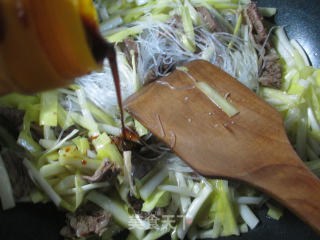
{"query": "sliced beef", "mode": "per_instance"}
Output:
(135, 203)
(128, 46)
(21, 183)
(86, 222)
(150, 76)
(211, 22)
(272, 72)
(106, 172)
(176, 22)
(256, 20)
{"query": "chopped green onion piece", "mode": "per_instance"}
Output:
(236, 30)
(185, 201)
(79, 191)
(123, 34)
(106, 149)
(82, 144)
(36, 196)
(159, 198)
(49, 109)
(161, 17)
(114, 131)
(111, 23)
(101, 115)
(317, 75)
(51, 170)
(182, 68)
(65, 183)
(117, 210)
(25, 138)
(299, 59)
(19, 101)
(217, 99)
(70, 156)
(250, 200)
(301, 138)
(42, 182)
(248, 216)
(223, 6)
(274, 212)
(85, 188)
(48, 144)
(268, 12)
(194, 208)
(183, 191)
(147, 189)
(128, 172)
(93, 127)
(189, 38)
(224, 207)
(140, 129)
(64, 118)
(60, 143)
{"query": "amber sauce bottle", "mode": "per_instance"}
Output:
(46, 44)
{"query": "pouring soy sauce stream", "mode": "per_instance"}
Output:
(102, 49)
(126, 134)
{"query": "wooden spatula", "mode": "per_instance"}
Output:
(251, 146)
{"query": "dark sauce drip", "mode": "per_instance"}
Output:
(131, 140)
(131, 135)
(101, 49)
(22, 14)
(114, 68)
(2, 24)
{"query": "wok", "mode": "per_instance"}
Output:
(43, 222)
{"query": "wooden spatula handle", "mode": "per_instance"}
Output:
(294, 186)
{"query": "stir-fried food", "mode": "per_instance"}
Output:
(65, 146)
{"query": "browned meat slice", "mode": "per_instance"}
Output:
(150, 76)
(176, 22)
(19, 178)
(256, 20)
(135, 203)
(84, 223)
(211, 22)
(106, 172)
(127, 46)
(272, 72)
